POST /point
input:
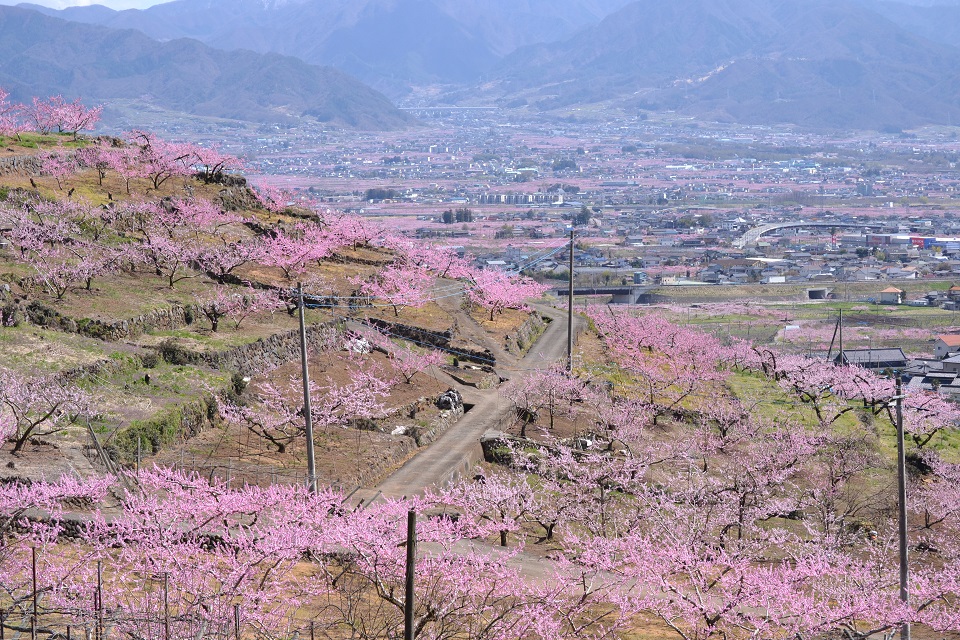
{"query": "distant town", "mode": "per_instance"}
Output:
(654, 199)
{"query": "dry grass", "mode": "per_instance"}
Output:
(37, 350)
(345, 457)
(430, 316)
(87, 187)
(124, 295)
(503, 324)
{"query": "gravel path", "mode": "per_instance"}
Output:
(458, 450)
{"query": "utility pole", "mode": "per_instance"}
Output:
(33, 565)
(902, 503)
(166, 606)
(570, 309)
(307, 413)
(840, 321)
(100, 629)
(408, 602)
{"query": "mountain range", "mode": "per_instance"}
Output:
(817, 62)
(843, 63)
(390, 44)
(938, 22)
(41, 55)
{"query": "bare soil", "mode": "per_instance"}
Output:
(346, 457)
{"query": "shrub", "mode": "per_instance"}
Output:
(174, 353)
(92, 328)
(153, 434)
(150, 359)
(10, 316)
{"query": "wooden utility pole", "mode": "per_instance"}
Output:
(307, 413)
(902, 511)
(33, 618)
(100, 629)
(840, 321)
(408, 602)
(166, 606)
(570, 309)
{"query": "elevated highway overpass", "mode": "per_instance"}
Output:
(753, 235)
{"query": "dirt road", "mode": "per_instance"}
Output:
(458, 450)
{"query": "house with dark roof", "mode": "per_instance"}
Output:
(942, 376)
(873, 359)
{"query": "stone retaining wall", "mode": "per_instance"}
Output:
(22, 164)
(519, 343)
(171, 426)
(268, 353)
(163, 319)
(426, 436)
(99, 369)
(342, 259)
(440, 340)
(412, 441)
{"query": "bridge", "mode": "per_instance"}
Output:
(621, 295)
(442, 110)
(753, 235)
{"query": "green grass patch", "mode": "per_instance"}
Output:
(208, 341)
(32, 140)
(162, 430)
(775, 404)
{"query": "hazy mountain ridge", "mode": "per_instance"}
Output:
(42, 55)
(834, 64)
(940, 23)
(863, 63)
(389, 43)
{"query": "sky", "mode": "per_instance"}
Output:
(113, 4)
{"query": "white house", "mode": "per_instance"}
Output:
(945, 345)
(891, 295)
